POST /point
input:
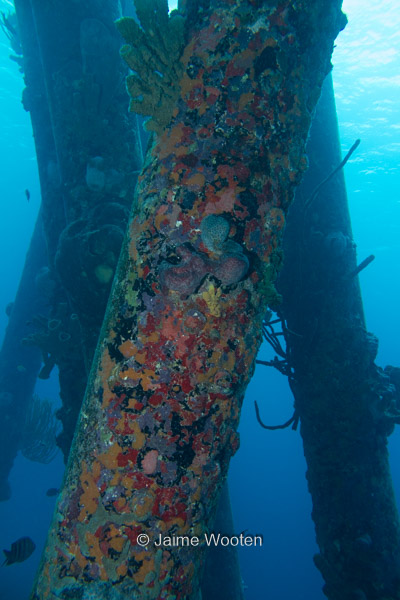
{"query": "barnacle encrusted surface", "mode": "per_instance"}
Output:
(152, 52)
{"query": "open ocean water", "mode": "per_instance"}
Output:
(267, 478)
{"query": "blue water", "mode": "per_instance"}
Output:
(267, 479)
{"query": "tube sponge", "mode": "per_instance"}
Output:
(152, 51)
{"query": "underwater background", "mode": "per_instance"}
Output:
(267, 476)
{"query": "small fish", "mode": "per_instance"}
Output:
(52, 492)
(20, 551)
(27, 194)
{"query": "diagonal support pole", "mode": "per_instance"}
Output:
(183, 326)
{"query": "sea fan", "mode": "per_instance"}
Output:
(39, 432)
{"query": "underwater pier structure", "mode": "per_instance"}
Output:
(55, 331)
(20, 364)
(231, 100)
(97, 148)
(88, 157)
(32, 298)
(346, 405)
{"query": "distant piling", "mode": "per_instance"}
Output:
(346, 405)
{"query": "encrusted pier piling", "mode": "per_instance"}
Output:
(183, 326)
